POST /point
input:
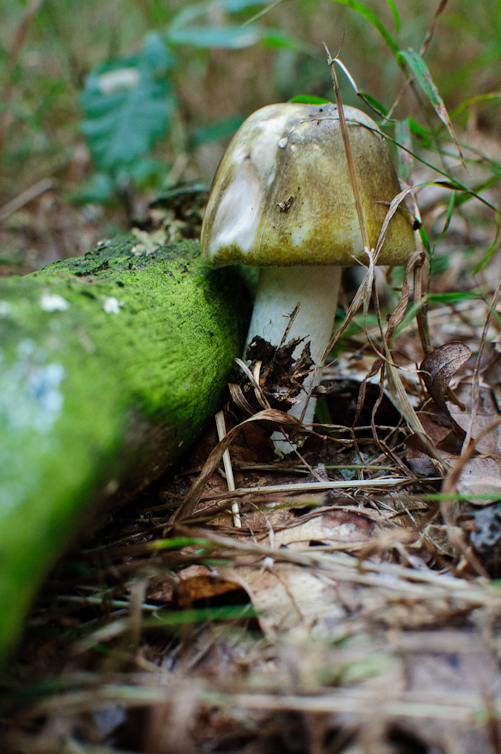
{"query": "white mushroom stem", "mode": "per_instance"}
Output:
(280, 290)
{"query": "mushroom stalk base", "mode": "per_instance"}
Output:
(280, 290)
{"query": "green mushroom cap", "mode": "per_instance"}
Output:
(282, 194)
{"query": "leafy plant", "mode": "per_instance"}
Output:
(129, 103)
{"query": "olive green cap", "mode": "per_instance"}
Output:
(282, 194)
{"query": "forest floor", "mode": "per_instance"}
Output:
(357, 607)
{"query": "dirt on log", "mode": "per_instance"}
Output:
(111, 364)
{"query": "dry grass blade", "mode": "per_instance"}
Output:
(460, 706)
(381, 484)
(407, 705)
(40, 187)
(253, 378)
(271, 416)
(358, 92)
(395, 203)
(419, 583)
(349, 153)
(433, 26)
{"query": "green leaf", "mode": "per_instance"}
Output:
(234, 6)
(454, 297)
(277, 40)
(373, 103)
(181, 31)
(374, 20)
(156, 56)
(127, 105)
(422, 75)
(473, 101)
(231, 37)
(222, 129)
(403, 137)
(99, 189)
(191, 26)
(198, 615)
(422, 133)
(309, 99)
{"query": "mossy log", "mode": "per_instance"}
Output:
(110, 366)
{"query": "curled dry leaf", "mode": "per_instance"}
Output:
(438, 368)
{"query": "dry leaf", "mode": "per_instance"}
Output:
(438, 368)
(289, 598)
(331, 527)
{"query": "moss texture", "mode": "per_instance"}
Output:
(110, 366)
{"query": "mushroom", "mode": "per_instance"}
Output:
(282, 199)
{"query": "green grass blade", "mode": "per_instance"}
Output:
(263, 12)
(473, 101)
(422, 75)
(494, 247)
(396, 17)
(374, 20)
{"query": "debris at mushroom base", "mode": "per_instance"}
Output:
(281, 376)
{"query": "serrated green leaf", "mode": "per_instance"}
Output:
(156, 56)
(127, 104)
(123, 125)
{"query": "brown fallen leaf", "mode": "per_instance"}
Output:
(337, 527)
(437, 369)
(288, 598)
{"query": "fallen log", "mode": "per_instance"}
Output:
(110, 366)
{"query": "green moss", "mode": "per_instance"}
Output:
(98, 355)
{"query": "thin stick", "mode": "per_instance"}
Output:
(228, 469)
(46, 184)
